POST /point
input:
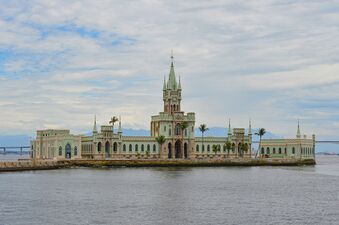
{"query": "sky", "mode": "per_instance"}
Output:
(62, 62)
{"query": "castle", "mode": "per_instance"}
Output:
(171, 137)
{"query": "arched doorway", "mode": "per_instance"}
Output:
(107, 149)
(178, 151)
(115, 147)
(185, 150)
(68, 151)
(99, 147)
(169, 150)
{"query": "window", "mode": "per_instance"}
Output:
(130, 147)
(293, 150)
(124, 148)
(224, 148)
(208, 148)
(154, 148)
(192, 129)
(197, 148)
(268, 150)
(262, 151)
(75, 150)
(177, 129)
(148, 147)
(279, 150)
(285, 150)
(60, 151)
(164, 128)
(203, 148)
(169, 132)
(142, 147)
(186, 132)
(273, 150)
(136, 148)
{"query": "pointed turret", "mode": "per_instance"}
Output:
(164, 87)
(95, 125)
(120, 129)
(172, 82)
(298, 131)
(229, 128)
(179, 85)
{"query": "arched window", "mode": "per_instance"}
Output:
(285, 151)
(164, 128)
(142, 147)
(154, 148)
(130, 147)
(99, 147)
(185, 132)
(197, 148)
(148, 148)
(224, 148)
(75, 150)
(177, 129)
(293, 150)
(124, 148)
(233, 147)
(262, 150)
(208, 148)
(268, 150)
(203, 148)
(136, 148)
(60, 151)
(279, 150)
(273, 150)
(169, 132)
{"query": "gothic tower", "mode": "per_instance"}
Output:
(172, 92)
(172, 123)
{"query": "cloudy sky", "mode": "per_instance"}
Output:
(61, 62)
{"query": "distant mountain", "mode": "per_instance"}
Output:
(14, 140)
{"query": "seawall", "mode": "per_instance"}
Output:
(51, 164)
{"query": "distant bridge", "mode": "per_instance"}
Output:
(21, 148)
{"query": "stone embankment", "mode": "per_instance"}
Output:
(50, 164)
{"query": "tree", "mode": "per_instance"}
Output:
(183, 127)
(261, 132)
(215, 149)
(148, 153)
(114, 119)
(203, 128)
(228, 147)
(243, 148)
(161, 140)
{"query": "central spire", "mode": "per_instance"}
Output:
(172, 82)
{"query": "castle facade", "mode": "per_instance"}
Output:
(171, 137)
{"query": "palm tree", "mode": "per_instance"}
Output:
(161, 140)
(228, 147)
(261, 132)
(203, 128)
(113, 120)
(183, 127)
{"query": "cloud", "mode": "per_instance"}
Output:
(274, 61)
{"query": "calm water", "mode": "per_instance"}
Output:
(257, 195)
